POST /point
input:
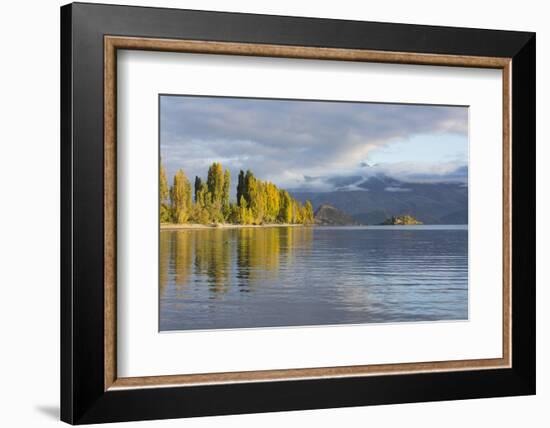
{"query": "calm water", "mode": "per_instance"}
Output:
(292, 276)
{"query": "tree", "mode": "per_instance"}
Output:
(248, 181)
(240, 187)
(296, 212)
(257, 199)
(198, 186)
(180, 197)
(164, 194)
(285, 210)
(233, 216)
(201, 211)
(308, 213)
(272, 202)
(215, 181)
(225, 194)
(215, 184)
(244, 213)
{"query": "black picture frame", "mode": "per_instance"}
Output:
(83, 398)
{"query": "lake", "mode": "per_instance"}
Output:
(302, 276)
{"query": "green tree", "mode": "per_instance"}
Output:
(285, 209)
(180, 198)
(215, 181)
(257, 196)
(248, 181)
(215, 184)
(244, 213)
(308, 213)
(225, 194)
(164, 194)
(240, 187)
(198, 186)
(233, 216)
(296, 212)
(201, 209)
(272, 202)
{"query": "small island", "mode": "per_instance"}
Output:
(401, 220)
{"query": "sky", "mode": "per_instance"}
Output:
(314, 145)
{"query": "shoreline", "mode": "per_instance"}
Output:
(197, 226)
(189, 226)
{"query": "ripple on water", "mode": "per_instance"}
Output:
(311, 276)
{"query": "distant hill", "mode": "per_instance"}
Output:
(328, 215)
(379, 197)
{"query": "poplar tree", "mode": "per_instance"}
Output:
(295, 213)
(198, 186)
(272, 202)
(256, 194)
(215, 184)
(248, 179)
(245, 215)
(180, 197)
(164, 195)
(201, 213)
(225, 194)
(240, 187)
(308, 213)
(215, 181)
(285, 210)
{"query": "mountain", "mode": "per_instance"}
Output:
(377, 198)
(328, 215)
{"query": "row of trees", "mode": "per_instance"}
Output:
(258, 202)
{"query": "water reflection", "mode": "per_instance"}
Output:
(253, 277)
(164, 258)
(254, 253)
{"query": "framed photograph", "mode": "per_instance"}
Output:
(265, 213)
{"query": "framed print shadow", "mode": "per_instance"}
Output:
(266, 213)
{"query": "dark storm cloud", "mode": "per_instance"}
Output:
(291, 143)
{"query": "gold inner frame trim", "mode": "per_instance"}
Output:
(113, 43)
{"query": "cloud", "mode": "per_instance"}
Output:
(288, 142)
(423, 172)
(390, 177)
